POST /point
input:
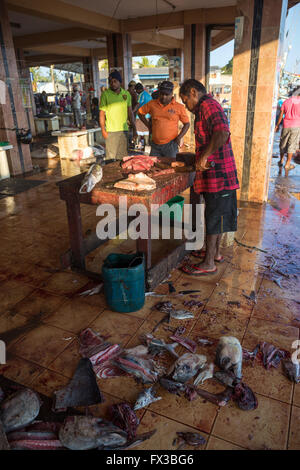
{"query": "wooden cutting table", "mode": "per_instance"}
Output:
(168, 186)
(72, 139)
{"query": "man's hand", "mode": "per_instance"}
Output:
(201, 164)
(276, 128)
(178, 141)
(104, 134)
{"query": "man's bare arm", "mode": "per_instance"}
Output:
(182, 133)
(147, 122)
(102, 123)
(279, 120)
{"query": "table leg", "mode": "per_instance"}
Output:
(75, 231)
(144, 245)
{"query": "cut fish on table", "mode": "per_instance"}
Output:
(92, 177)
(137, 182)
(138, 162)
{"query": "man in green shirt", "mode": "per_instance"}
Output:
(115, 110)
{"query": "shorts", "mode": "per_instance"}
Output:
(289, 140)
(116, 145)
(164, 150)
(220, 212)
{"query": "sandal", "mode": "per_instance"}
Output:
(193, 270)
(291, 167)
(201, 254)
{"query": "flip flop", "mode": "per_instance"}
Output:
(201, 254)
(291, 167)
(193, 270)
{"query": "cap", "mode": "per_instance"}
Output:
(132, 83)
(166, 87)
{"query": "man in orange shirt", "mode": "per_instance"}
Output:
(165, 115)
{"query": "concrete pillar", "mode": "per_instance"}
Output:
(12, 112)
(119, 54)
(256, 68)
(194, 67)
(91, 79)
(26, 89)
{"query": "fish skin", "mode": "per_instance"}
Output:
(92, 177)
(145, 398)
(181, 314)
(88, 432)
(291, 370)
(226, 377)
(192, 438)
(19, 410)
(185, 342)
(208, 373)
(135, 442)
(171, 385)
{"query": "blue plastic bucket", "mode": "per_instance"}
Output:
(124, 282)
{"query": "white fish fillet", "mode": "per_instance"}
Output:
(138, 182)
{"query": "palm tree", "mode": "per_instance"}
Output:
(144, 62)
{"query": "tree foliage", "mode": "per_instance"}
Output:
(163, 61)
(144, 62)
(227, 69)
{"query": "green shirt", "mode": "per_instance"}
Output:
(115, 107)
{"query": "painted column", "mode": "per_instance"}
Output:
(12, 112)
(26, 89)
(256, 68)
(194, 67)
(119, 54)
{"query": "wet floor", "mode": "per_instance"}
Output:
(41, 312)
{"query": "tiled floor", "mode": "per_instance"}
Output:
(41, 314)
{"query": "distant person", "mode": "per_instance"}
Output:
(155, 92)
(76, 105)
(134, 96)
(165, 115)
(95, 110)
(115, 110)
(290, 134)
(143, 95)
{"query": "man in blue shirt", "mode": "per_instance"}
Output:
(143, 132)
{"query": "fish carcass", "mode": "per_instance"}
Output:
(181, 314)
(185, 342)
(125, 418)
(146, 397)
(142, 368)
(187, 366)
(100, 353)
(137, 182)
(229, 355)
(92, 177)
(271, 355)
(208, 373)
(157, 346)
(19, 410)
(292, 370)
(88, 432)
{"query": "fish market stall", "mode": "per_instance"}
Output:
(46, 124)
(167, 186)
(4, 169)
(73, 139)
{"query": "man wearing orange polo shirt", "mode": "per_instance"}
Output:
(165, 115)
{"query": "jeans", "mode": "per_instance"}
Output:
(165, 150)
